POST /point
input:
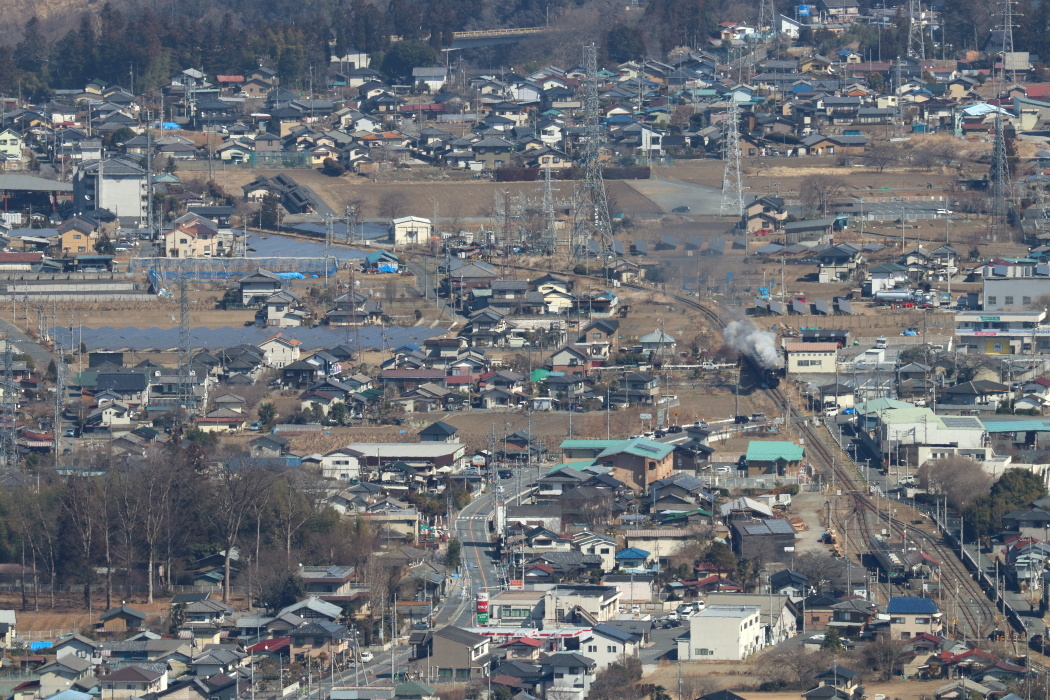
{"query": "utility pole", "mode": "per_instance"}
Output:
(185, 389)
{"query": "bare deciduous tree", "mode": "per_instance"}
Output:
(882, 155)
(817, 191)
(957, 478)
(234, 494)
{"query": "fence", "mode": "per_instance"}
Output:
(160, 270)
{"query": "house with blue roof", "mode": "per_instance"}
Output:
(632, 558)
(910, 617)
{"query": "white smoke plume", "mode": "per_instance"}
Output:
(760, 345)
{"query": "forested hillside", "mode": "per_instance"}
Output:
(73, 41)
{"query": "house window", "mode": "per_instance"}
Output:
(559, 675)
(922, 620)
(703, 652)
(897, 620)
(1027, 301)
(592, 649)
(814, 618)
(1009, 301)
(991, 300)
(611, 649)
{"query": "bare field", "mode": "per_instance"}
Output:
(740, 676)
(429, 196)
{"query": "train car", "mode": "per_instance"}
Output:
(765, 377)
(890, 559)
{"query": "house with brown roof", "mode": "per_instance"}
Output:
(133, 681)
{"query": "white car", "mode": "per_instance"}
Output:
(723, 470)
(944, 212)
(366, 656)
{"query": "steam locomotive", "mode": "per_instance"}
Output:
(765, 377)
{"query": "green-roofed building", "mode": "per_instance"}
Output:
(780, 457)
(586, 449)
(414, 690)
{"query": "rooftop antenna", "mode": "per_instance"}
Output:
(732, 179)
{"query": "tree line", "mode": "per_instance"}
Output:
(116, 525)
(295, 39)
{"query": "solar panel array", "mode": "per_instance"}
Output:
(109, 338)
(777, 307)
(821, 305)
(844, 306)
(961, 422)
(762, 303)
(799, 307)
(717, 245)
(641, 247)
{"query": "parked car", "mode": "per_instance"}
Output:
(681, 210)
(505, 473)
(366, 656)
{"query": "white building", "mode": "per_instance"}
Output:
(115, 184)
(1015, 293)
(608, 645)
(567, 676)
(723, 633)
(410, 230)
(1002, 332)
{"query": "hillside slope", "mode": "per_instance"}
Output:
(57, 16)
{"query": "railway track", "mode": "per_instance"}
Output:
(974, 610)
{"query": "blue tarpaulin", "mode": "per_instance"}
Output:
(37, 646)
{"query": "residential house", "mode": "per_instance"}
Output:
(568, 675)
(133, 682)
(258, 286)
(451, 654)
(723, 633)
(912, 616)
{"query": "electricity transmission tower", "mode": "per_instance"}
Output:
(732, 179)
(593, 221)
(184, 388)
(60, 399)
(767, 18)
(916, 40)
(1007, 29)
(1000, 177)
(548, 213)
(8, 431)
(898, 108)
